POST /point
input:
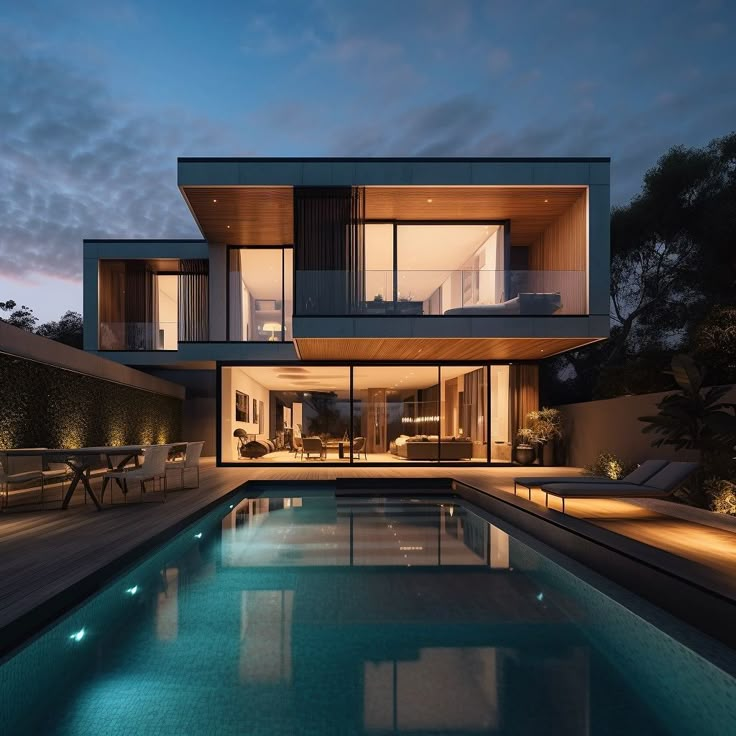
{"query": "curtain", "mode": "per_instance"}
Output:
(236, 295)
(329, 239)
(193, 300)
(141, 306)
(111, 305)
(523, 396)
(475, 401)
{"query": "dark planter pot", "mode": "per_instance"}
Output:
(548, 453)
(524, 455)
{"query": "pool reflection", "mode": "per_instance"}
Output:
(341, 616)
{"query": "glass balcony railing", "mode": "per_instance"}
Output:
(479, 293)
(139, 336)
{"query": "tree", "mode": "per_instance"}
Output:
(695, 418)
(672, 259)
(67, 330)
(22, 317)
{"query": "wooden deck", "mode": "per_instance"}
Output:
(45, 553)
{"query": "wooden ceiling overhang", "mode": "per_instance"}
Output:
(430, 349)
(255, 215)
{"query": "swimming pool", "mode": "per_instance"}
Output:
(300, 612)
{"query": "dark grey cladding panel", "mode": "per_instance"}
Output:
(380, 171)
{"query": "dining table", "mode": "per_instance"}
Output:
(80, 461)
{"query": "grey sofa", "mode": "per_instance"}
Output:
(533, 304)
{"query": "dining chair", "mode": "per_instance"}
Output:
(190, 461)
(152, 468)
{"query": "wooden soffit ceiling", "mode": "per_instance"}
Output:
(243, 215)
(516, 348)
(530, 209)
(264, 215)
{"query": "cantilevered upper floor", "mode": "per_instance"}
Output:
(372, 259)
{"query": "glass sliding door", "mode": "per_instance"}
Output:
(260, 288)
(449, 266)
(464, 401)
(168, 311)
(501, 439)
(285, 414)
(397, 413)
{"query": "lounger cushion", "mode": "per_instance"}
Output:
(672, 475)
(645, 471)
(604, 490)
(640, 475)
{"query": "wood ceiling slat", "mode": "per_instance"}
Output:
(435, 348)
(243, 215)
(524, 206)
(264, 215)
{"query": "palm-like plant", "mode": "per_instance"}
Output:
(694, 418)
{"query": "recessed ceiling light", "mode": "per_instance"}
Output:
(215, 201)
(228, 227)
(546, 200)
(430, 201)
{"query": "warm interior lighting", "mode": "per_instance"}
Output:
(215, 201)
(272, 327)
(430, 201)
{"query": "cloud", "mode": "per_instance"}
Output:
(76, 163)
(499, 61)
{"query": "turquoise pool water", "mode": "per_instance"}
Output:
(310, 614)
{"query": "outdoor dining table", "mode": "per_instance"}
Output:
(80, 460)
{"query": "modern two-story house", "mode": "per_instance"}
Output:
(359, 310)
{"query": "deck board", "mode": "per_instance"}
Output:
(42, 553)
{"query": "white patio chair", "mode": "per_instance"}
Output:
(55, 472)
(190, 461)
(153, 467)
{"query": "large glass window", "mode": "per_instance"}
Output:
(401, 413)
(464, 408)
(261, 294)
(433, 268)
(152, 304)
(397, 411)
(285, 413)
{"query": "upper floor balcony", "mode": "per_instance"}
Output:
(472, 293)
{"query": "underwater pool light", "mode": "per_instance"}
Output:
(78, 635)
(198, 535)
(132, 591)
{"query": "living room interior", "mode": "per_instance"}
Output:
(394, 414)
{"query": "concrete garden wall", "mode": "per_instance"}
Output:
(612, 425)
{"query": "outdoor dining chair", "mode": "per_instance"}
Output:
(152, 468)
(190, 461)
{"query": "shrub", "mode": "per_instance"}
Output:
(526, 436)
(610, 466)
(546, 424)
(721, 495)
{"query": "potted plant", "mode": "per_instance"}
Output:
(546, 425)
(524, 451)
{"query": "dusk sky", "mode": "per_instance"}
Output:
(98, 99)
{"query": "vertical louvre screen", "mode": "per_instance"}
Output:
(329, 233)
(193, 301)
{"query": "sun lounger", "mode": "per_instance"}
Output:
(660, 485)
(639, 475)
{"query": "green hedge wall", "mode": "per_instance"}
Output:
(45, 406)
